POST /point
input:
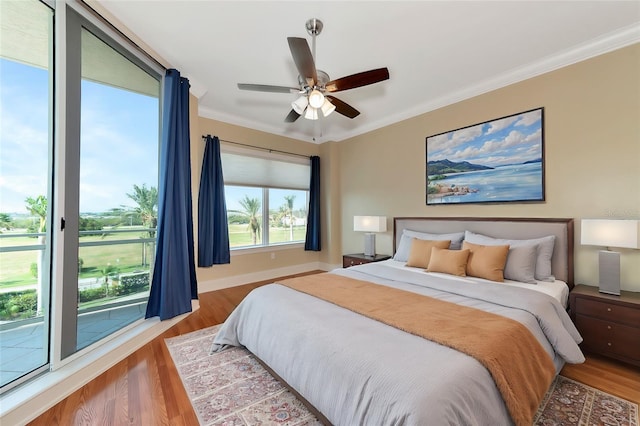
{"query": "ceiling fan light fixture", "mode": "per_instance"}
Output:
(327, 107)
(300, 104)
(316, 98)
(311, 113)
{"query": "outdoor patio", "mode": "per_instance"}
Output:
(22, 346)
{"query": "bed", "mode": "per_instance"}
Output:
(355, 370)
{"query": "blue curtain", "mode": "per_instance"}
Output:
(312, 241)
(213, 230)
(174, 273)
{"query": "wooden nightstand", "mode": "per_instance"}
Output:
(609, 325)
(360, 259)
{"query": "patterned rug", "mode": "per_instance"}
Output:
(231, 388)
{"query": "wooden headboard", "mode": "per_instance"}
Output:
(511, 228)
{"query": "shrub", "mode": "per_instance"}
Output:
(129, 284)
(92, 294)
(18, 304)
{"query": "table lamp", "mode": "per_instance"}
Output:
(610, 233)
(370, 225)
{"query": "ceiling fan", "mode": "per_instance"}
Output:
(314, 84)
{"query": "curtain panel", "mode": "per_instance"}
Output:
(213, 229)
(312, 240)
(174, 282)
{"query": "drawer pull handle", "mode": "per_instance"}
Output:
(609, 344)
(608, 309)
(608, 327)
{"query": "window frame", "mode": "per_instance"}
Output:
(241, 150)
(71, 18)
(266, 245)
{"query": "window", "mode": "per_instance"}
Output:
(102, 172)
(26, 76)
(119, 138)
(267, 196)
(111, 181)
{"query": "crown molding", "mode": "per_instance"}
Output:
(606, 43)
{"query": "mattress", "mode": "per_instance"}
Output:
(358, 371)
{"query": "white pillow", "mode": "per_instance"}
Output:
(402, 253)
(521, 264)
(544, 251)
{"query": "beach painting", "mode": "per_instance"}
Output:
(493, 162)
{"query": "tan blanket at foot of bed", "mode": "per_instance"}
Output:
(521, 368)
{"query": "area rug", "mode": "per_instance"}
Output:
(232, 388)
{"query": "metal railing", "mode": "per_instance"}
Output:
(37, 246)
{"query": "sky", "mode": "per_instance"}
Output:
(119, 141)
(509, 140)
(119, 144)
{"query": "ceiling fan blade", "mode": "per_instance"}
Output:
(268, 88)
(343, 107)
(303, 58)
(357, 80)
(293, 116)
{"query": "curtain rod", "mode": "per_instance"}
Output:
(259, 147)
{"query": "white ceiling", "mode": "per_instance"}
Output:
(437, 52)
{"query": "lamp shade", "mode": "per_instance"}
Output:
(300, 104)
(610, 233)
(370, 223)
(327, 107)
(316, 98)
(311, 113)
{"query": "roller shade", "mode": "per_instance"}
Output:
(254, 167)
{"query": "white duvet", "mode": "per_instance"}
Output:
(357, 371)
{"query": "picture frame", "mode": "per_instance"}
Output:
(497, 161)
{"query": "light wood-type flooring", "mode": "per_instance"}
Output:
(145, 389)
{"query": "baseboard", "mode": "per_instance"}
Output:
(28, 401)
(236, 280)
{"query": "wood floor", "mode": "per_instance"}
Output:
(145, 389)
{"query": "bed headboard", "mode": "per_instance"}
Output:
(512, 228)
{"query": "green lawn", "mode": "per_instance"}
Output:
(15, 267)
(240, 236)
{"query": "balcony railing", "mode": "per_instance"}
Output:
(105, 261)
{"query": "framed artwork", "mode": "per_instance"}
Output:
(497, 161)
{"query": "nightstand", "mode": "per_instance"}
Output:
(609, 325)
(360, 259)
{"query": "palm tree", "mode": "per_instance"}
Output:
(147, 210)
(5, 222)
(38, 207)
(288, 207)
(251, 211)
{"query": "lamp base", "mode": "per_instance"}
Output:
(609, 271)
(370, 244)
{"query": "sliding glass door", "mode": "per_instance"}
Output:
(118, 189)
(78, 211)
(112, 193)
(26, 75)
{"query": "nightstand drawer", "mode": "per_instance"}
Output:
(607, 337)
(361, 259)
(608, 311)
(352, 261)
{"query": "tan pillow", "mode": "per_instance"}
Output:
(486, 261)
(453, 262)
(421, 251)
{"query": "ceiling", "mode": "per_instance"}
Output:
(437, 52)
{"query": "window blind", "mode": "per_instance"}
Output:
(254, 167)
